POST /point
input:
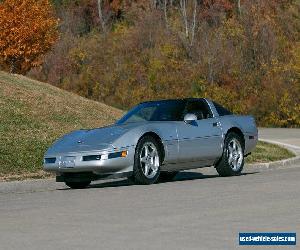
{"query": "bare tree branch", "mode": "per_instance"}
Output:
(194, 23)
(102, 22)
(184, 16)
(239, 7)
(165, 12)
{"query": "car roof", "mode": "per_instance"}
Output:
(170, 100)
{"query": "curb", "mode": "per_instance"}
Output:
(278, 164)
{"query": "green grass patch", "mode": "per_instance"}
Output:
(266, 152)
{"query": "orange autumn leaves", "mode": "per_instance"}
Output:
(28, 29)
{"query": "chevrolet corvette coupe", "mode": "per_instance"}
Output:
(153, 141)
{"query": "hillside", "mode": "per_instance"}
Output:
(33, 114)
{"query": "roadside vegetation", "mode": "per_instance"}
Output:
(266, 152)
(243, 54)
(34, 114)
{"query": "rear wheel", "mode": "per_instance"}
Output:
(78, 185)
(232, 161)
(147, 161)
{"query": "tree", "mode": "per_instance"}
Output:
(28, 29)
(102, 22)
(108, 10)
(243, 54)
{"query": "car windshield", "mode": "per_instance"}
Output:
(169, 110)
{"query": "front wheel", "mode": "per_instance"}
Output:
(78, 185)
(232, 161)
(147, 161)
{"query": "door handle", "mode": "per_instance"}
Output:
(215, 124)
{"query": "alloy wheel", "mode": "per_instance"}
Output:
(149, 159)
(235, 154)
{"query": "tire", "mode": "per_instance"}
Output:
(232, 160)
(147, 161)
(78, 185)
(167, 176)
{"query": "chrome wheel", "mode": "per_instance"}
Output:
(149, 159)
(235, 154)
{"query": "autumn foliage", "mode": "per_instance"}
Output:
(28, 29)
(245, 54)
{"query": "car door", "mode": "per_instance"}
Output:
(199, 141)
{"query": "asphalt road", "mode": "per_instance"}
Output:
(199, 210)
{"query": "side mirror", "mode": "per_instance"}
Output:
(189, 118)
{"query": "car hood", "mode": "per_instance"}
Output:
(88, 140)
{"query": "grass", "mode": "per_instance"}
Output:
(33, 114)
(266, 152)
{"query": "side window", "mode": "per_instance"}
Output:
(221, 110)
(199, 108)
(169, 111)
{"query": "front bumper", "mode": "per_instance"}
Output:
(74, 162)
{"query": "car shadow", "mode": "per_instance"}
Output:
(189, 175)
(181, 176)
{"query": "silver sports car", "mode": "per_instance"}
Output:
(155, 139)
